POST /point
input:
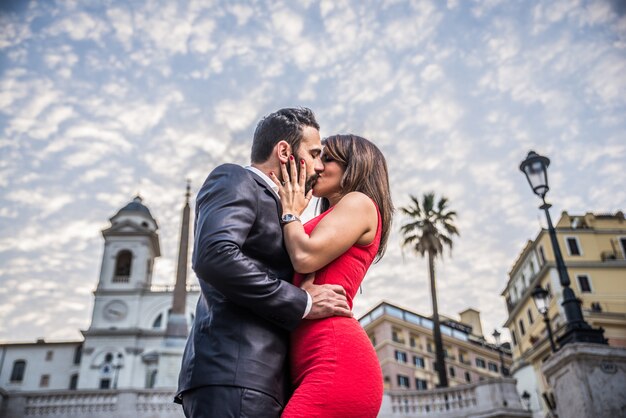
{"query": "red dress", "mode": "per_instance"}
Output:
(334, 367)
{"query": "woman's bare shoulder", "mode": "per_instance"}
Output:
(357, 201)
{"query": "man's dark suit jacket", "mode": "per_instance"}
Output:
(247, 306)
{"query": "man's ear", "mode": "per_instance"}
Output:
(283, 151)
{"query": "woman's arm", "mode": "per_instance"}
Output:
(353, 220)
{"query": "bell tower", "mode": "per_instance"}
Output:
(131, 244)
(121, 300)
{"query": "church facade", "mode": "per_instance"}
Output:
(133, 346)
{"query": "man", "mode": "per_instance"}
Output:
(234, 363)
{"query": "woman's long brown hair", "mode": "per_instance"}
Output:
(366, 172)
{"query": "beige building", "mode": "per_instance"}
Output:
(404, 344)
(594, 252)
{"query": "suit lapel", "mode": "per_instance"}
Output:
(267, 190)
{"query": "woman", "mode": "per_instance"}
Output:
(334, 367)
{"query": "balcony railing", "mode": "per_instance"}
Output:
(611, 256)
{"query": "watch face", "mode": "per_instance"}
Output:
(115, 310)
(289, 217)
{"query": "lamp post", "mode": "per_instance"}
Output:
(540, 297)
(535, 167)
(526, 400)
(117, 364)
(496, 336)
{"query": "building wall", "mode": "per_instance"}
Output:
(597, 252)
(133, 342)
(395, 339)
(59, 366)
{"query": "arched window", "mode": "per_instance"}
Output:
(158, 321)
(122, 266)
(17, 374)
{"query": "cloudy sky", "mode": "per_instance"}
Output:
(101, 100)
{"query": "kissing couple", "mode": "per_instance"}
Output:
(273, 334)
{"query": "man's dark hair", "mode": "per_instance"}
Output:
(282, 125)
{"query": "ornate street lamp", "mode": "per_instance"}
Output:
(540, 297)
(496, 336)
(535, 167)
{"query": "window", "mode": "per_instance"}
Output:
(549, 290)
(532, 268)
(17, 374)
(418, 362)
(573, 247)
(44, 381)
(452, 371)
(158, 321)
(74, 381)
(493, 367)
(400, 356)
(513, 337)
(480, 363)
(583, 283)
(522, 330)
(421, 384)
(403, 381)
(413, 341)
(468, 378)
(542, 256)
(429, 347)
(105, 383)
(396, 335)
(530, 316)
(122, 266)
(151, 379)
(49, 355)
(78, 353)
(622, 242)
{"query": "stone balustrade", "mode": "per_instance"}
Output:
(148, 403)
(492, 398)
(496, 398)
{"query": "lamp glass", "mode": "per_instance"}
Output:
(535, 167)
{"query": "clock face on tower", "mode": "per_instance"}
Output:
(116, 310)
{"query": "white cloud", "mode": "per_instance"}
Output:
(287, 23)
(79, 26)
(432, 72)
(122, 22)
(38, 200)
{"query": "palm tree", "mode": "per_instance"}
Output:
(429, 228)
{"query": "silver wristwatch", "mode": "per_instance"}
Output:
(288, 217)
